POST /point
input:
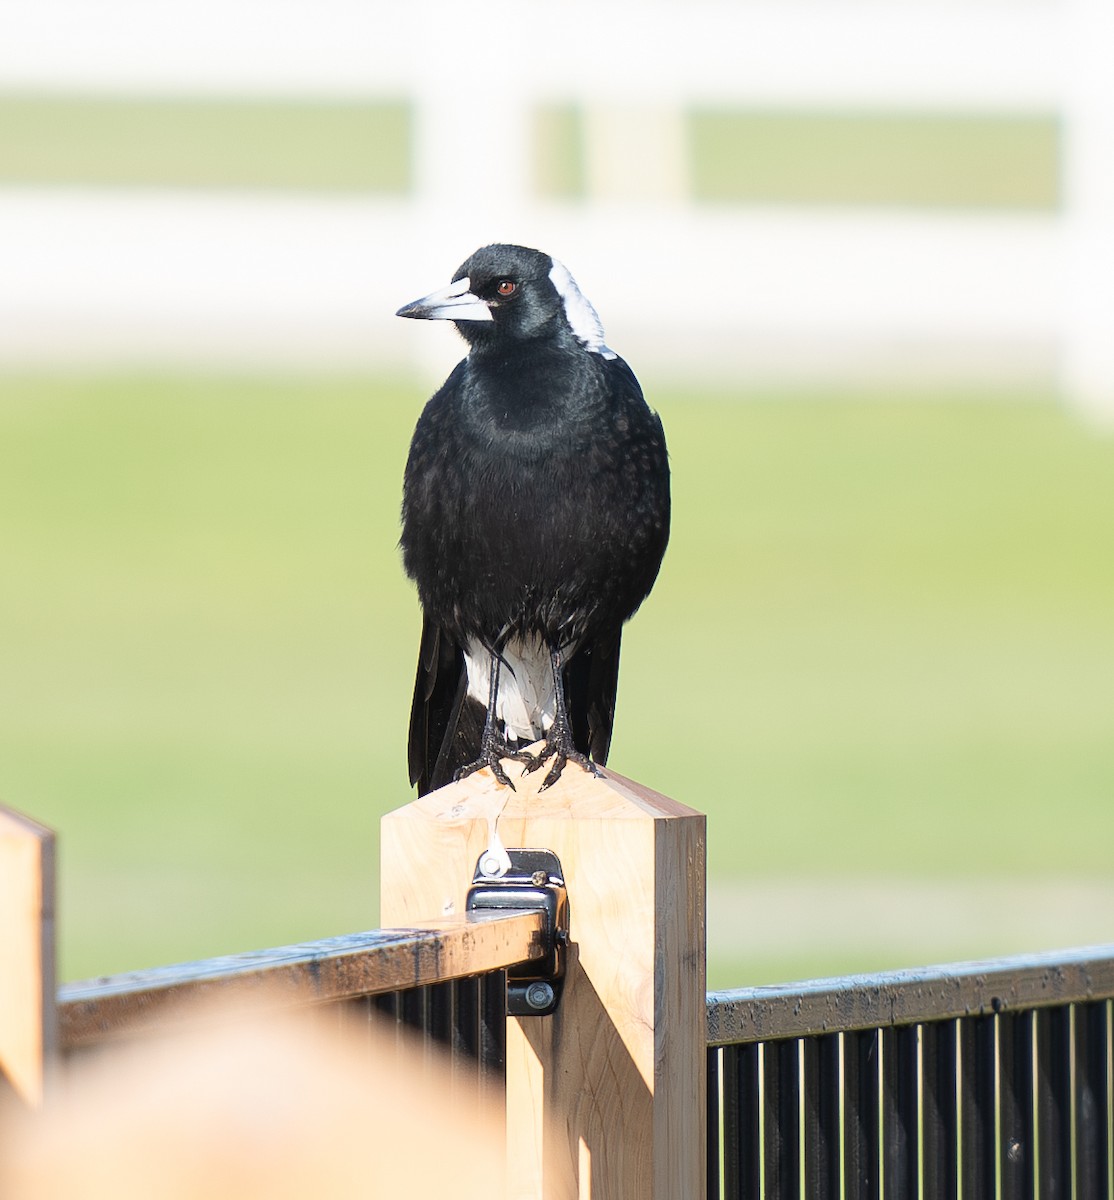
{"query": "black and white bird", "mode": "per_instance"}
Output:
(535, 515)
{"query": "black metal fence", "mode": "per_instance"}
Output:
(466, 1017)
(978, 1081)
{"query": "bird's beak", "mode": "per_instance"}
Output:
(454, 303)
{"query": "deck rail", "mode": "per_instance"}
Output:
(447, 978)
(989, 1080)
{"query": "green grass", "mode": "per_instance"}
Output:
(560, 170)
(953, 161)
(268, 143)
(735, 157)
(911, 159)
(881, 646)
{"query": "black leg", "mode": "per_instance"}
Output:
(493, 745)
(558, 740)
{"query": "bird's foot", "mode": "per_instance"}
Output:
(493, 749)
(560, 747)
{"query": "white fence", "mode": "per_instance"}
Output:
(771, 291)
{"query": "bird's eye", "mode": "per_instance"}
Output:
(505, 287)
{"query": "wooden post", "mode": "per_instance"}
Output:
(605, 1098)
(27, 1014)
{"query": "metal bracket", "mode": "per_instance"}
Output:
(528, 879)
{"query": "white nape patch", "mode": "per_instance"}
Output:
(583, 319)
(526, 703)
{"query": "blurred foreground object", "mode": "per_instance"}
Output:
(247, 1107)
(27, 1014)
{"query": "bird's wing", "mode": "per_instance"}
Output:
(591, 682)
(445, 724)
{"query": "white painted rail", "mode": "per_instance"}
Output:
(248, 277)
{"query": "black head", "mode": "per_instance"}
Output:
(513, 292)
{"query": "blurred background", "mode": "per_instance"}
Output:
(861, 256)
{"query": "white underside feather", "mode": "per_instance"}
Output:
(526, 703)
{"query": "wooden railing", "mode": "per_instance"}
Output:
(339, 968)
(603, 1095)
(959, 1082)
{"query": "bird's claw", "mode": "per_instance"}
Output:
(558, 746)
(492, 752)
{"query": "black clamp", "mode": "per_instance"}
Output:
(530, 880)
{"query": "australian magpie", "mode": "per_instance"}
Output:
(535, 515)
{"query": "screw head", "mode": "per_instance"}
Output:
(539, 995)
(492, 866)
(539, 878)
